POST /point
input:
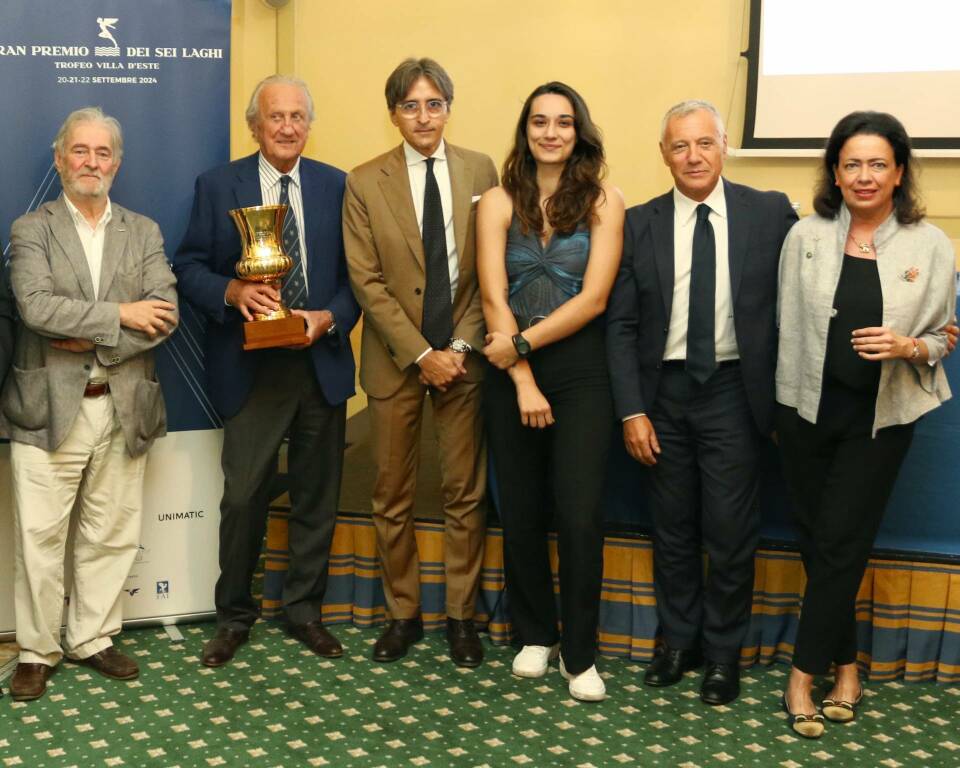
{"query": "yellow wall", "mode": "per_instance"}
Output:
(630, 59)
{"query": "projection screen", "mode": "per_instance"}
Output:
(812, 62)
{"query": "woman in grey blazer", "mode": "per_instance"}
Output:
(866, 289)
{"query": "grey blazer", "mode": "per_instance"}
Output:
(916, 267)
(54, 293)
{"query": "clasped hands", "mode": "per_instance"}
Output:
(500, 350)
(440, 368)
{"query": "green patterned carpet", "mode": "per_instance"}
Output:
(278, 705)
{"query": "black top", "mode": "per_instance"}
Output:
(859, 304)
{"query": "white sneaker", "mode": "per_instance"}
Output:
(587, 686)
(533, 659)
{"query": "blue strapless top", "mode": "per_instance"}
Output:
(541, 279)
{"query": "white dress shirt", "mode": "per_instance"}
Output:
(417, 175)
(684, 221)
(92, 238)
(270, 193)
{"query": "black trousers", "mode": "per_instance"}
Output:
(561, 468)
(840, 479)
(704, 496)
(285, 401)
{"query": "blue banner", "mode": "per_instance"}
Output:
(162, 68)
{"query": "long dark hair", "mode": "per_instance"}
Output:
(579, 187)
(827, 197)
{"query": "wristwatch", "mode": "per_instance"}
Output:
(522, 346)
(459, 345)
(332, 330)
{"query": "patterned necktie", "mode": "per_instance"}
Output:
(294, 290)
(701, 344)
(437, 325)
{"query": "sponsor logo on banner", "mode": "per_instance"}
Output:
(133, 591)
(126, 65)
(163, 590)
(193, 514)
(143, 555)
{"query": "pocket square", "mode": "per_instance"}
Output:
(475, 198)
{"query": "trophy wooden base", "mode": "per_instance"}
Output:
(283, 332)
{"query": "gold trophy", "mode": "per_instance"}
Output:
(263, 260)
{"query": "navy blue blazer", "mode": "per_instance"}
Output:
(206, 259)
(638, 312)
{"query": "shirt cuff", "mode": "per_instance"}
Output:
(633, 416)
(423, 354)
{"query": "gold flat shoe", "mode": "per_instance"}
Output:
(808, 726)
(841, 711)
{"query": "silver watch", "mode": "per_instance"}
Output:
(459, 345)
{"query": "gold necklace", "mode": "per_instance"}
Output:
(865, 248)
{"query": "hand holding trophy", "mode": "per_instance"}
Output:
(263, 260)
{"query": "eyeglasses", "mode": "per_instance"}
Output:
(411, 109)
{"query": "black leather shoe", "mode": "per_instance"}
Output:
(223, 645)
(669, 664)
(397, 638)
(466, 650)
(721, 683)
(317, 638)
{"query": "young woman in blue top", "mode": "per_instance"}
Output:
(549, 242)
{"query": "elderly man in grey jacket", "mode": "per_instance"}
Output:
(95, 295)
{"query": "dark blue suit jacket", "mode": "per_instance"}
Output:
(206, 259)
(638, 313)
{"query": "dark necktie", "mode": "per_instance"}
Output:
(294, 290)
(701, 345)
(437, 326)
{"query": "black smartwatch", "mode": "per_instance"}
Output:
(522, 346)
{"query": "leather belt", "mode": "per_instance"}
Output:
(681, 364)
(523, 323)
(95, 389)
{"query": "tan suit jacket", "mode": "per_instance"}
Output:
(385, 257)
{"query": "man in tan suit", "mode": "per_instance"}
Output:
(408, 222)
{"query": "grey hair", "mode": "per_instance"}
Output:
(684, 108)
(89, 115)
(253, 108)
(408, 71)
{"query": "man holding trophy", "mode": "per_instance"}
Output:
(278, 356)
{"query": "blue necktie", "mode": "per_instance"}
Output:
(701, 344)
(294, 290)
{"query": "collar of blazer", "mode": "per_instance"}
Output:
(738, 233)
(395, 185)
(114, 243)
(247, 193)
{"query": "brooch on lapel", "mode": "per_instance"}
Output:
(910, 275)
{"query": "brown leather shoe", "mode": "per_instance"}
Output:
(317, 638)
(397, 638)
(219, 649)
(29, 681)
(466, 650)
(111, 663)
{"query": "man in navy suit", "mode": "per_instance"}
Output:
(692, 345)
(266, 395)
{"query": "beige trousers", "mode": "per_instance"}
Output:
(91, 483)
